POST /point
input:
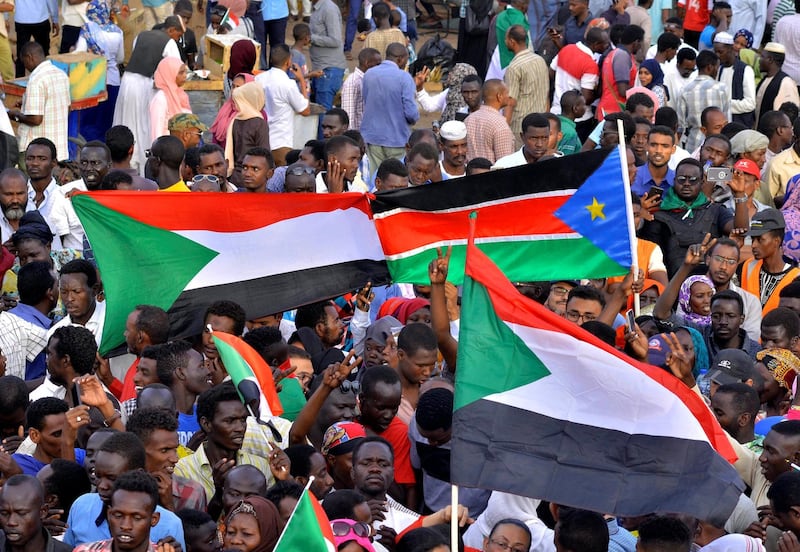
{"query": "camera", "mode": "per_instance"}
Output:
(719, 174)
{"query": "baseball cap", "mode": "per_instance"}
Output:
(657, 351)
(342, 438)
(765, 221)
(731, 366)
(185, 121)
(748, 167)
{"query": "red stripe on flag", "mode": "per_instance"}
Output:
(513, 307)
(410, 230)
(322, 519)
(220, 212)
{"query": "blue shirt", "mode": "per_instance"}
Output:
(82, 524)
(644, 180)
(38, 366)
(274, 9)
(619, 538)
(187, 426)
(386, 85)
(573, 32)
(31, 466)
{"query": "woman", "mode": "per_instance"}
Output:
(170, 99)
(100, 36)
(694, 303)
(743, 46)
(242, 60)
(247, 130)
(652, 77)
(791, 214)
(226, 114)
(407, 311)
(351, 536)
(254, 525)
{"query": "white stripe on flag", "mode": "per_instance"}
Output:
(489, 239)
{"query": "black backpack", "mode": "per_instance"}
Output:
(435, 52)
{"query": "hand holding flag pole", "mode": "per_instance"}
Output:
(623, 156)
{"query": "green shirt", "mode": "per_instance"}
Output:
(570, 143)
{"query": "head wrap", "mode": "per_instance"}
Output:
(684, 297)
(791, 214)
(342, 437)
(746, 34)
(700, 351)
(243, 57)
(98, 17)
(748, 140)
(380, 330)
(455, 100)
(655, 69)
(32, 226)
(267, 516)
(249, 101)
(219, 128)
(782, 363)
(164, 79)
(401, 308)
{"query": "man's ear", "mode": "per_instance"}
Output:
(154, 519)
(35, 435)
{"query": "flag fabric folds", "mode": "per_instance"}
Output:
(544, 409)
(308, 528)
(266, 252)
(560, 218)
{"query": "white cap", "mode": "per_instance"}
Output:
(453, 130)
(775, 48)
(723, 38)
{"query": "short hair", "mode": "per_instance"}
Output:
(79, 344)
(791, 109)
(414, 337)
(228, 309)
(391, 166)
(535, 120)
(300, 459)
(317, 149)
(341, 504)
(209, 399)
(594, 35)
(668, 117)
(425, 538)
(344, 118)
(631, 34)
(261, 152)
(769, 122)
(193, 519)
(144, 421)
(475, 78)
(588, 293)
(262, 338)
(419, 134)
(153, 321)
(582, 530)
(792, 290)
(685, 54)
(425, 150)
(690, 161)
(81, 266)
(308, 316)
(434, 409)
(668, 41)
(137, 482)
(744, 398)
(34, 280)
(380, 10)
(637, 99)
(119, 140)
(113, 179)
(173, 22)
(127, 445)
(628, 126)
(68, 481)
(796, 128)
(569, 98)
(785, 491)
(511, 521)
(192, 158)
(297, 352)
(366, 54)
(40, 409)
(395, 50)
(300, 31)
(518, 34)
(31, 49)
(732, 129)
(725, 242)
(356, 137)
(478, 163)
(663, 130)
(335, 144)
(553, 118)
(728, 295)
(172, 356)
(378, 374)
(721, 5)
(783, 317)
(99, 145)
(706, 58)
(787, 428)
(601, 331)
(285, 489)
(43, 141)
(278, 55)
(169, 150)
(664, 534)
(13, 394)
(372, 439)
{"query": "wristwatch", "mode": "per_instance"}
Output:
(737, 200)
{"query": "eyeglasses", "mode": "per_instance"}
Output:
(558, 290)
(505, 546)
(347, 386)
(206, 178)
(300, 170)
(684, 179)
(149, 154)
(575, 316)
(344, 528)
(725, 260)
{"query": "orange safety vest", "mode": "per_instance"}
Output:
(644, 249)
(751, 282)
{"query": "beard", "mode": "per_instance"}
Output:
(14, 213)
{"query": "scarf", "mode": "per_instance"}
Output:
(700, 351)
(791, 214)
(219, 128)
(782, 363)
(243, 57)
(748, 36)
(248, 101)
(455, 100)
(401, 308)
(164, 79)
(684, 300)
(655, 69)
(672, 202)
(98, 19)
(267, 516)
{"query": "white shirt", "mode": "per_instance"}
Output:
(54, 211)
(75, 240)
(677, 156)
(787, 32)
(115, 54)
(565, 80)
(283, 101)
(748, 101)
(675, 83)
(94, 324)
(516, 159)
(20, 341)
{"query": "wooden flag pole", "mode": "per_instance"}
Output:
(626, 182)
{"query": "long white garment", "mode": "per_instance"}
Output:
(133, 111)
(505, 505)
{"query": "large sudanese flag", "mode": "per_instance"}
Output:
(560, 218)
(551, 412)
(266, 252)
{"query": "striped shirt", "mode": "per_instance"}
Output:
(488, 135)
(47, 94)
(352, 99)
(699, 94)
(20, 341)
(528, 81)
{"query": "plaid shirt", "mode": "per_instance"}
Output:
(47, 94)
(188, 494)
(699, 94)
(20, 341)
(104, 546)
(488, 135)
(352, 100)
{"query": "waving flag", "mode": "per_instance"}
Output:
(267, 252)
(554, 413)
(561, 218)
(308, 528)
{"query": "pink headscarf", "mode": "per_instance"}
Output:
(164, 79)
(219, 128)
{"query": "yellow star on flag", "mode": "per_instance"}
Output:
(596, 209)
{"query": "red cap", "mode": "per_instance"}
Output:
(748, 167)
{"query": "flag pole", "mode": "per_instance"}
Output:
(453, 517)
(306, 489)
(626, 182)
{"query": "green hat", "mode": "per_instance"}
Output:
(184, 121)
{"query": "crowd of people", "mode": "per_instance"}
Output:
(152, 449)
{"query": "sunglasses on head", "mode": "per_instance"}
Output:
(346, 386)
(297, 171)
(344, 528)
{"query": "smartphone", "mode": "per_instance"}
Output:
(655, 191)
(719, 174)
(76, 394)
(630, 320)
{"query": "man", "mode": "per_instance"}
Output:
(352, 89)
(715, 151)
(739, 78)
(22, 511)
(665, 50)
(584, 304)
(790, 297)
(182, 369)
(736, 406)
(556, 300)
(535, 136)
(783, 167)
(695, 15)
(393, 175)
(45, 104)
(40, 161)
(326, 50)
(453, 143)
(78, 287)
(417, 350)
(46, 419)
(158, 431)
(257, 168)
(90, 517)
(766, 273)
(283, 101)
(13, 405)
(166, 157)
(527, 79)
(619, 72)
(726, 332)
(240, 482)
(94, 162)
(471, 93)
(577, 24)
(38, 296)
(422, 163)
(702, 92)
(334, 123)
(488, 133)
(223, 418)
(781, 329)
(656, 173)
(13, 200)
(119, 140)
(675, 224)
(390, 106)
(676, 78)
(323, 319)
(777, 127)
(300, 179)
(213, 162)
(71, 352)
(344, 153)
(222, 316)
(188, 128)
(307, 462)
(776, 87)
(785, 33)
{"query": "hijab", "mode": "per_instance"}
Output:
(267, 516)
(164, 79)
(243, 57)
(748, 36)
(401, 308)
(455, 100)
(219, 128)
(98, 19)
(248, 100)
(684, 300)
(655, 69)
(380, 330)
(700, 351)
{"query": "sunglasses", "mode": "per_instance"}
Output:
(297, 171)
(344, 528)
(205, 177)
(347, 386)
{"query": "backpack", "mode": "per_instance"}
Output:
(435, 52)
(479, 16)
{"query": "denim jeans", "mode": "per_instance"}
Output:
(352, 24)
(325, 89)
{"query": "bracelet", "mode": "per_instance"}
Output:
(111, 419)
(738, 200)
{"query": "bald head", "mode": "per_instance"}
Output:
(12, 175)
(24, 485)
(491, 88)
(396, 52)
(156, 395)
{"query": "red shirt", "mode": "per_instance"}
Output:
(397, 435)
(698, 14)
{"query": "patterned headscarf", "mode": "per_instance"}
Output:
(685, 295)
(98, 17)
(746, 34)
(782, 363)
(267, 517)
(791, 214)
(455, 100)
(700, 351)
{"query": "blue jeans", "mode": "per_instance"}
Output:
(352, 24)
(254, 13)
(325, 89)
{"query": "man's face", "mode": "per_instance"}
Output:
(643, 111)
(108, 466)
(373, 469)
(203, 538)
(323, 482)
(94, 163)
(191, 137)
(555, 135)
(227, 426)
(39, 162)
(725, 53)
(77, 296)
(776, 337)
(784, 132)
(417, 367)
(338, 407)
(145, 373)
(341, 468)
(175, 34)
(303, 371)
(331, 330)
(779, 450)
(716, 151)
(674, 28)
(255, 172)
(455, 152)
(639, 141)
(379, 407)
(13, 198)
(535, 141)
(765, 245)
(557, 299)
(391, 182)
(332, 126)
(724, 410)
(218, 324)
(307, 157)
(688, 181)
(722, 262)
(214, 163)
(609, 138)
(373, 353)
(687, 67)
(471, 92)
(133, 336)
(581, 310)
(420, 170)
(130, 517)
(21, 513)
(660, 148)
(300, 184)
(726, 319)
(791, 303)
(48, 439)
(715, 122)
(240, 484)
(577, 8)
(161, 449)
(601, 45)
(348, 157)
(197, 375)
(94, 443)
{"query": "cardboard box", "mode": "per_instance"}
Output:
(218, 53)
(87, 73)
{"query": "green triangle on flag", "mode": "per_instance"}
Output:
(139, 264)
(491, 357)
(308, 528)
